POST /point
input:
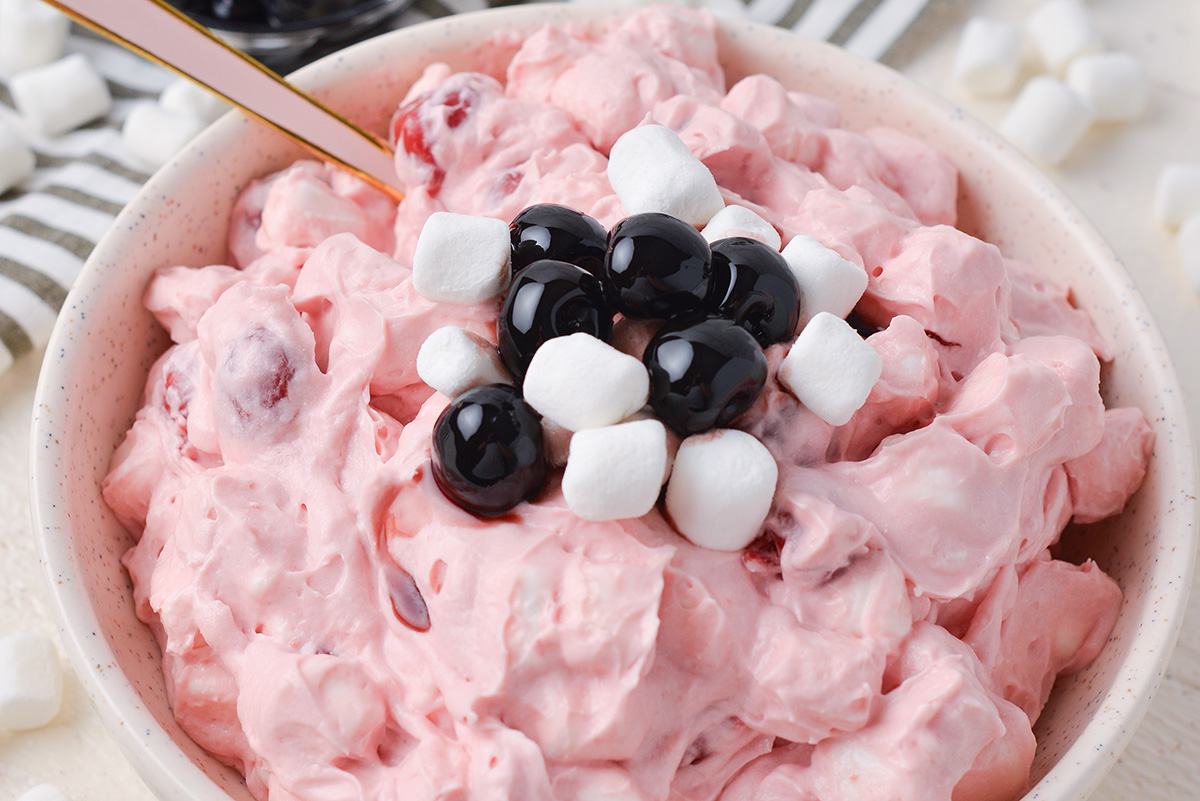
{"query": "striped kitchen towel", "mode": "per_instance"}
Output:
(50, 222)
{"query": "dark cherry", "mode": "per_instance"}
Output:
(753, 286)
(487, 450)
(263, 12)
(547, 231)
(549, 299)
(657, 266)
(247, 11)
(704, 372)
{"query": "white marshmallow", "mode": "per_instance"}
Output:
(1060, 31)
(31, 681)
(184, 97)
(830, 368)
(16, 159)
(1114, 84)
(1047, 119)
(453, 360)
(32, 34)
(579, 382)
(651, 169)
(721, 488)
(615, 472)
(44, 792)
(461, 258)
(828, 282)
(741, 221)
(1177, 193)
(1188, 243)
(60, 97)
(673, 440)
(153, 135)
(988, 60)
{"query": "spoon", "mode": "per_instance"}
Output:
(162, 33)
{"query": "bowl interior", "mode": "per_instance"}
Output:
(104, 343)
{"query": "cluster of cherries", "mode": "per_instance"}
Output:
(722, 304)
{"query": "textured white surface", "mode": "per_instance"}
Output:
(1110, 175)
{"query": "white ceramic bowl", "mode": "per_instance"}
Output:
(104, 343)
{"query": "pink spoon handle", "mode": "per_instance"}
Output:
(163, 34)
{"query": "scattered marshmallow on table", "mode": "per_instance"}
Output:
(615, 472)
(741, 221)
(31, 681)
(16, 159)
(580, 382)
(828, 281)
(1177, 193)
(44, 792)
(1114, 84)
(60, 97)
(988, 60)
(1187, 241)
(462, 258)
(651, 169)
(184, 97)
(830, 368)
(453, 360)
(153, 134)
(32, 34)
(1047, 119)
(1062, 30)
(721, 488)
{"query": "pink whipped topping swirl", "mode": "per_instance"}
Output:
(335, 628)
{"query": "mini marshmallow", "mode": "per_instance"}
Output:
(461, 258)
(615, 472)
(31, 681)
(32, 34)
(828, 282)
(453, 360)
(44, 792)
(1060, 31)
(721, 488)
(830, 368)
(1047, 119)
(1188, 243)
(741, 221)
(184, 97)
(1177, 193)
(651, 169)
(673, 439)
(1114, 84)
(580, 382)
(988, 60)
(60, 97)
(16, 159)
(153, 135)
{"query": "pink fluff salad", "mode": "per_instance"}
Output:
(892, 634)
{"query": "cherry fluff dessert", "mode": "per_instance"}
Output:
(667, 441)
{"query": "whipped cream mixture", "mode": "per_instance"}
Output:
(335, 628)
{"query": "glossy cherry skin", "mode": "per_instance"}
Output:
(487, 450)
(704, 372)
(753, 286)
(549, 299)
(657, 266)
(547, 231)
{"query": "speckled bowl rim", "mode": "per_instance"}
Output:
(172, 775)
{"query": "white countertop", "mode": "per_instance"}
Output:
(1111, 176)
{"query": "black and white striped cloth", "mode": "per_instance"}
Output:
(50, 222)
